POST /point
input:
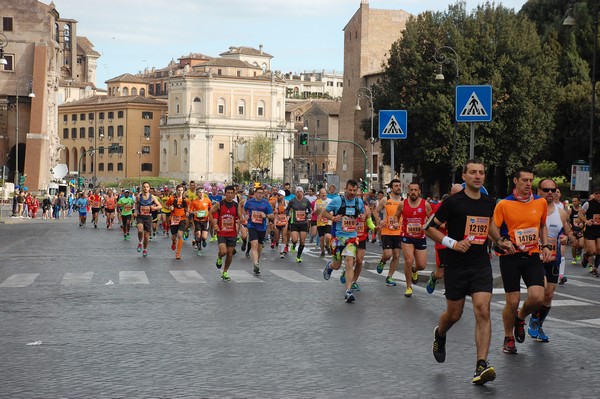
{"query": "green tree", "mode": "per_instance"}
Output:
(260, 150)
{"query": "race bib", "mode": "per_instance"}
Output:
(476, 229)
(256, 217)
(280, 220)
(175, 220)
(227, 224)
(201, 214)
(144, 210)
(127, 208)
(300, 216)
(348, 224)
(526, 239)
(414, 227)
(96, 204)
(596, 219)
(360, 228)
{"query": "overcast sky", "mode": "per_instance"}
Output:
(300, 34)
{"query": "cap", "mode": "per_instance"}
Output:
(596, 189)
(299, 188)
(126, 191)
(281, 192)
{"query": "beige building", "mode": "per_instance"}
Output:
(215, 108)
(130, 125)
(46, 63)
(315, 84)
(368, 37)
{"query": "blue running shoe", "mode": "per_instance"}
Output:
(186, 234)
(380, 266)
(533, 328)
(431, 283)
(349, 297)
(327, 271)
(542, 337)
(343, 277)
(389, 281)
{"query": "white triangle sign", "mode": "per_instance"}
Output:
(473, 107)
(392, 127)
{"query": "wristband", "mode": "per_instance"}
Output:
(448, 242)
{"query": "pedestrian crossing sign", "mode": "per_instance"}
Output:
(392, 124)
(473, 103)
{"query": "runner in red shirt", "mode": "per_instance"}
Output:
(224, 218)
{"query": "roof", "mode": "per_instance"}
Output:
(104, 100)
(226, 62)
(86, 46)
(126, 78)
(328, 107)
(245, 51)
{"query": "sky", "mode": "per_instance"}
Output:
(301, 35)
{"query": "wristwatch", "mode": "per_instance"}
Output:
(547, 246)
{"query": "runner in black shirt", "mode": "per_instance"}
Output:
(468, 271)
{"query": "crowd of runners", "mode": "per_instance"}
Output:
(527, 231)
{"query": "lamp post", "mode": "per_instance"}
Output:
(441, 58)
(365, 92)
(140, 153)
(570, 21)
(306, 129)
(31, 94)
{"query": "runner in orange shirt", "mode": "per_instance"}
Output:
(95, 203)
(390, 231)
(179, 211)
(200, 208)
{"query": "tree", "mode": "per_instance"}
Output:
(260, 150)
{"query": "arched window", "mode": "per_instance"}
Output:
(143, 92)
(241, 108)
(67, 33)
(176, 105)
(164, 158)
(264, 66)
(133, 91)
(221, 106)
(125, 91)
(260, 109)
(75, 158)
(196, 105)
(174, 147)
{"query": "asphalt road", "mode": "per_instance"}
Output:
(83, 315)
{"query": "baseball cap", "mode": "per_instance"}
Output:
(596, 189)
(299, 188)
(281, 192)
(126, 191)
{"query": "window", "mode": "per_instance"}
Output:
(91, 116)
(81, 117)
(81, 132)
(65, 133)
(101, 150)
(219, 72)
(146, 149)
(120, 149)
(221, 146)
(241, 107)
(158, 89)
(146, 132)
(74, 118)
(10, 66)
(111, 115)
(221, 106)
(239, 74)
(147, 115)
(120, 114)
(120, 131)
(7, 24)
(146, 167)
(101, 167)
(133, 91)
(174, 147)
(65, 118)
(142, 92)
(151, 89)
(90, 132)
(111, 167)
(101, 116)
(261, 108)
(101, 132)
(74, 133)
(125, 91)
(120, 166)
(111, 132)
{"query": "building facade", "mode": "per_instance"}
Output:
(368, 37)
(322, 84)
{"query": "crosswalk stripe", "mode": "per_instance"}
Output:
(19, 280)
(187, 276)
(294, 276)
(77, 278)
(568, 302)
(595, 322)
(242, 276)
(576, 283)
(133, 277)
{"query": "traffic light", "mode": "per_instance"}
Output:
(80, 181)
(364, 186)
(22, 180)
(303, 138)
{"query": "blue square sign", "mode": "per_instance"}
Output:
(392, 124)
(473, 103)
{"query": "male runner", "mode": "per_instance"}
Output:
(96, 203)
(225, 225)
(82, 204)
(467, 216)
(179, 207)
(110, 203)
(414, 211)
(257, 210)
(125, 204)
(298, 210)
(577, 227)
(280, 223)
(323, 223)
(520, 220)
(590, 215)
(200, 208)
(146, 203)
(390, 231)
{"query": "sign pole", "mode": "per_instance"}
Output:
(472, 142)
(392, 142)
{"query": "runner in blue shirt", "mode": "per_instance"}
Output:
(344, 210)
(257, 210)
(82, 203)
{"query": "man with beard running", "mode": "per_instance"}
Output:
(390, 231)
(224, 218)
(298, 211)
(146, 203)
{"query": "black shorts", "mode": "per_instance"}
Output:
(322, 230)
(146, 221)
(125, 219)
(513, 267)
(200, 226)
(391, 242)
(362, 244)
(299, 227)
(462, 281)
(107, 211)
(257, 235)
(591, 233)
(419, 243)
(551, 270)
(154, 216)
(228, 241)
(95, 210)
(178, 227)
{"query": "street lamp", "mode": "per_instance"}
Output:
(570, 21)
(365, 92)
(140, 153)
(441, 58)
(3, 43)
(306, 129)
(31, 94)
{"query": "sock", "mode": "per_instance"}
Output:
(179, 245)
(281, 246)
(300, 249)
(543, 312)
(597, 261)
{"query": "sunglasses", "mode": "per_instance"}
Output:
(546, 190)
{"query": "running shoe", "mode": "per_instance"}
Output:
(542, 337)
(408, 292)
(327, 271)
(199, 252)
(139, 247)
(219, 263)
(281, 255)
(145, 253)
(533, 328)
(186, 234)
(439, 346)
(203, 243)
(285, 250)
(578, 258)
(244, 243)
(293, 249)
(322, 254)
(519, 330)
(483, 373)
(349, 297)
(509, 346)
(173, 246)
(256, 269)
(574, 262)
(355, 287)
(178, 256)
(380, 266)
(124, 236)
(213, 238)
(389, 281)
(225, 276)
(128, 236)
(343, 277)
(95, 226)
(415, 277)
(431, 283)
(272, 245)
(239, 240)
(562, 280)
(298, 259)
(248, 254)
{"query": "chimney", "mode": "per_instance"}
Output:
(260, 47)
